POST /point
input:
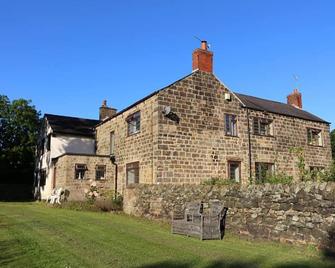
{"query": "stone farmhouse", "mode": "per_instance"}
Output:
(190, 131)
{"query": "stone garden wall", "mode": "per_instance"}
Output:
(299, 213)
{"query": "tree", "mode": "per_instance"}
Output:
(332, 139)
(19, 125)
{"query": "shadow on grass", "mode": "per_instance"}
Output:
(215, 264)
(236, 264)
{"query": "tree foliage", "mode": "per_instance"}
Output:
(19, 124)
(332, 138)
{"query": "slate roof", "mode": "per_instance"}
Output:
(277, 108)
(71, 125)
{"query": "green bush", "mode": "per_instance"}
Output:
(109, 201)
(109, 204)
(279, 178)
(219, 181)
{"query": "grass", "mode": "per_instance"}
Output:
(34, 235)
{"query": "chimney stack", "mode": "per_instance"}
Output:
(106, 112)
(295, 99)
(202, 58)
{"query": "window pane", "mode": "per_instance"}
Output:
(132, 173)
(262, 126)
(230, 125)
(134, 123)
(256, 126)
(80, 170)
(314, 137)
(234, 171)
(100, 172)
(263, 171)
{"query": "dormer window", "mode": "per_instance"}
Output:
(314, 137)
(134, 123)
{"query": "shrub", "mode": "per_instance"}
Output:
(92, 193)
(279, 178)
(109, 201)
(219, 181)
(312, 175)
(107, 205)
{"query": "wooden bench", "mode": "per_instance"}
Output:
(203, 220)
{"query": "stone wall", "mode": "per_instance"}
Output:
(299, 213)
(139, 147)
(197, 148)
(65, 174)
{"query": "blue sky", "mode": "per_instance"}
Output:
(67, 56)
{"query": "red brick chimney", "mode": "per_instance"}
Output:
(295, 99)
(202, 59)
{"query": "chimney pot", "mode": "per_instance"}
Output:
(204, 45)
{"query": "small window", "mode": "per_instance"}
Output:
(231, 124)
(314, 137)
(100, 172)
(42, 146)
(263, 171)
(262, 127)
(133, 172)
(80, 170)
(234, 171)
(48, 142)
(134, 123)
(43, 177)
(112, 143)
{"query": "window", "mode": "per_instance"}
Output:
(134, 123)
(263, 171)
(100, 171)
(80, 170)
(262, 126)
(231, 124)
(48, 142)
(112, 143)
(234, 171)
(314, 137)
(43, 177)
(133, 173)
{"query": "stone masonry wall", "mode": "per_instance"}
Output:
(139, 147)
(299, 213)
(289, 132)
(197, 148)
(65, 174)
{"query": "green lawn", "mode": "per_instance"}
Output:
(33, 235)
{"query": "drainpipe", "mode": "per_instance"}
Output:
(249, 144)
(113, 160)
